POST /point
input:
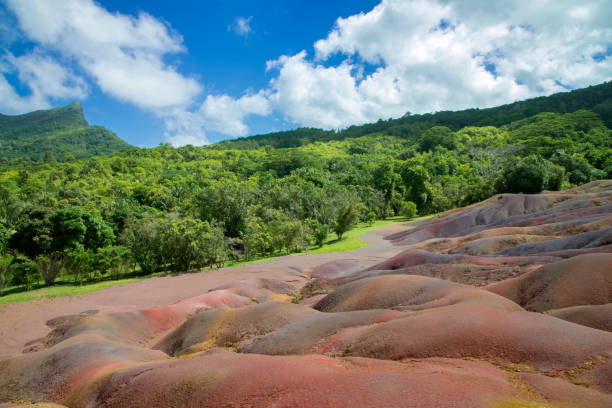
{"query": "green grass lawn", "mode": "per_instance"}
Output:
(63, 290)
(350, 240)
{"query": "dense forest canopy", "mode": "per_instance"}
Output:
(175, 209)
(55, 134)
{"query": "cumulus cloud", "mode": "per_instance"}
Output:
(220, 113)
(428, 55)
(403, 55)
(226, 114)
(123, 54)
(314, 95)
(45, 78)
(241, 26)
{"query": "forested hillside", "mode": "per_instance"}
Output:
(54, 134)
(595, 98)
(179, 208)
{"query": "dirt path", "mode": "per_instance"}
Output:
(23, 322)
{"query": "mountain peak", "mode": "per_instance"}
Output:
(61, 131)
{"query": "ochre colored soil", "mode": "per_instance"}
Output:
(506, 303)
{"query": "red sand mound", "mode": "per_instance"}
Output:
(590, 239)
(259, 288)
(565, 394)
(335, 269)
(139, 326)
(32, 405)
(218, 327)
(471, 330)
(301, 335)
(595, 316)
(515, 210)
(412, 257)
(581, 280)
(405, 292)
(375, 310)
(225, 379)
(470, 274)
(496, 209)
(53, 374)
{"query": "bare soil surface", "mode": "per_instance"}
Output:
(21, 323)
(505, 303)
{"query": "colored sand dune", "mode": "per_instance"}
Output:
(507, 303)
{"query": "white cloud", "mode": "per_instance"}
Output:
(428, 55)
(241, 26)
(45, 78)
(123, 55)
(219, 113)
(404, 55)
(184, 127)
(314, 95)
(226, 115)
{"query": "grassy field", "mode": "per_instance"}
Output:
(64, 290)
(350, 241)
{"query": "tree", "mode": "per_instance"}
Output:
(416, 179)
(437, 136)
(347, 217)
(34, 231)
(287, 234)
(5, 271)
(256, 238)
(579, 170)
(24, 272)
(79, 263)
(114, 259)
(530, 175)
(4, 238)
(384, 179)
(74, 226)
(49, 267)
(226, 203)
(43, 230)
(187, 242)
(144, 237)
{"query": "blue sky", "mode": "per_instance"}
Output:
(202, 71)
(228, 63)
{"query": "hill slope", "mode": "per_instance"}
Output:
(59, 131)
(596, 98)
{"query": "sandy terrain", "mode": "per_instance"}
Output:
(505, 303)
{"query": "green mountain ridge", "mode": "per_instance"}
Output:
(57, 132)
(597, 98)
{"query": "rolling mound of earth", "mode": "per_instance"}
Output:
(506, 303)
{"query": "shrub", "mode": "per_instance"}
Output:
(371, 217)
(23, 272)
(408, 209)
(320, 233)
